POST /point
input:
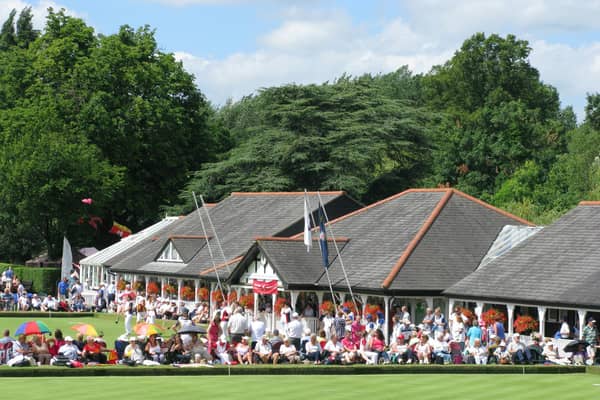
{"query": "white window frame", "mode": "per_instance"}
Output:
(170, 254)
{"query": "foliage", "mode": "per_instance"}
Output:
(121, 284)
(187, 293)
(169, 289)
(217, 296)
(327, 306)
(525, 324)
(348, 134)
(138, 286)
(492, 315)
(232, 297)
(153, 288)
(86, 115)
(498, 114)
(43, 280)
(351, 306)
(247, 300)
(372, 310)
(203, 293)
(467, 314)
(279, 303)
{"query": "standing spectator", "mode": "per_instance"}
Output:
(237, 325)
(474, 333)
(111, 294)
(564, 331)
(285, 315)
(257, 329)
(294, 330)
(63, 289)
(439, 321)
(339, 324)
(498, 329)
(590, 335)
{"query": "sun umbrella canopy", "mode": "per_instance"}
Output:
(575, 345)
(32, 328)
(192, 329)
(144, 329)
(85, 329)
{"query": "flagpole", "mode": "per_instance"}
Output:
(312, 218)
(337, 250)
(212, 259)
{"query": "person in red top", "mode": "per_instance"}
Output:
(92, 351)
(350, 354)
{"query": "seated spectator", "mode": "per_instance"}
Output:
(313, 350)
(550, 355)
(69, 349)
(78, 303)
(197, 350)
(476, 353)
(23, 304)
(423, 350)
(264, 352)
(350, 353)
(222, 350)
(154, 350)
(518, 352)
(501, 353)
(440, 348)
(376, 344)
(176, 351)
(288, 352)
(536, 350)
(133, 354)
(332, 352)
(243, 352)
(36, 302)
(305, 338)
(92, 352)
(40, 350)
(49, 304)
(22, 354)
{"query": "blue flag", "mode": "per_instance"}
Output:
(323, 238)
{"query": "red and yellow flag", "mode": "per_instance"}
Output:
(120, 230)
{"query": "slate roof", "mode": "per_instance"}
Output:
(237, 220)
(420, 240)
(560, 265)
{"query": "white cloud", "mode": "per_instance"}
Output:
(38, 9)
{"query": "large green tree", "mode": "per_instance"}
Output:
(116, 116)
(353, 134)
(498, 114)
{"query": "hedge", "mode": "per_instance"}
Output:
(44, 280)
(118, 370)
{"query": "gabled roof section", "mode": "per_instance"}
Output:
(560, 265)
(188, 245)
(420, 239)
(510, 237)
(233, 224)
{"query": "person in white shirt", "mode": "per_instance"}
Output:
(69, 349)
(333, 350)
(264, 351)
(294, 330)
(288, 352)
(133, 353)
(257, 329)
(237, 325)
(478, 352)
(222, 350)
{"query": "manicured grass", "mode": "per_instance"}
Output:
(102, 322)
(422, 387)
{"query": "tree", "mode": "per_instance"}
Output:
(592, 110)
(343, 135)
(25, 32)
(7, 34)
(498, 114)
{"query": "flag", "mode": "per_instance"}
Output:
(87, 201)
(120, 230)
(307, 232)
(67, 259)
(264, 287)
(323, 238)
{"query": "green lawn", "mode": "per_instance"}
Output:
(102, 322)
(421, 387)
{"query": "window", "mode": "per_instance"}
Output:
(170, 253)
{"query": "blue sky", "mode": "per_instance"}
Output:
(235, 47)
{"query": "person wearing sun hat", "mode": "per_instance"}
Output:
(69, 349)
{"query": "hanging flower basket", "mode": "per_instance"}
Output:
(247, 300)
(327, 306)
(217, 296)
(372, 309)
(491, 316)
(187, 293)
(153, 288)
(279, 303)
(203, 294)
(121, 284)
(138, 286)
(525, 324)
(169, 289)
(467, 315)
(232, 296)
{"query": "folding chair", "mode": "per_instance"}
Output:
(5, 352)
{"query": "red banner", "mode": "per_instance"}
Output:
(264, 287)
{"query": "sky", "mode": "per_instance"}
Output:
(235, 47)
